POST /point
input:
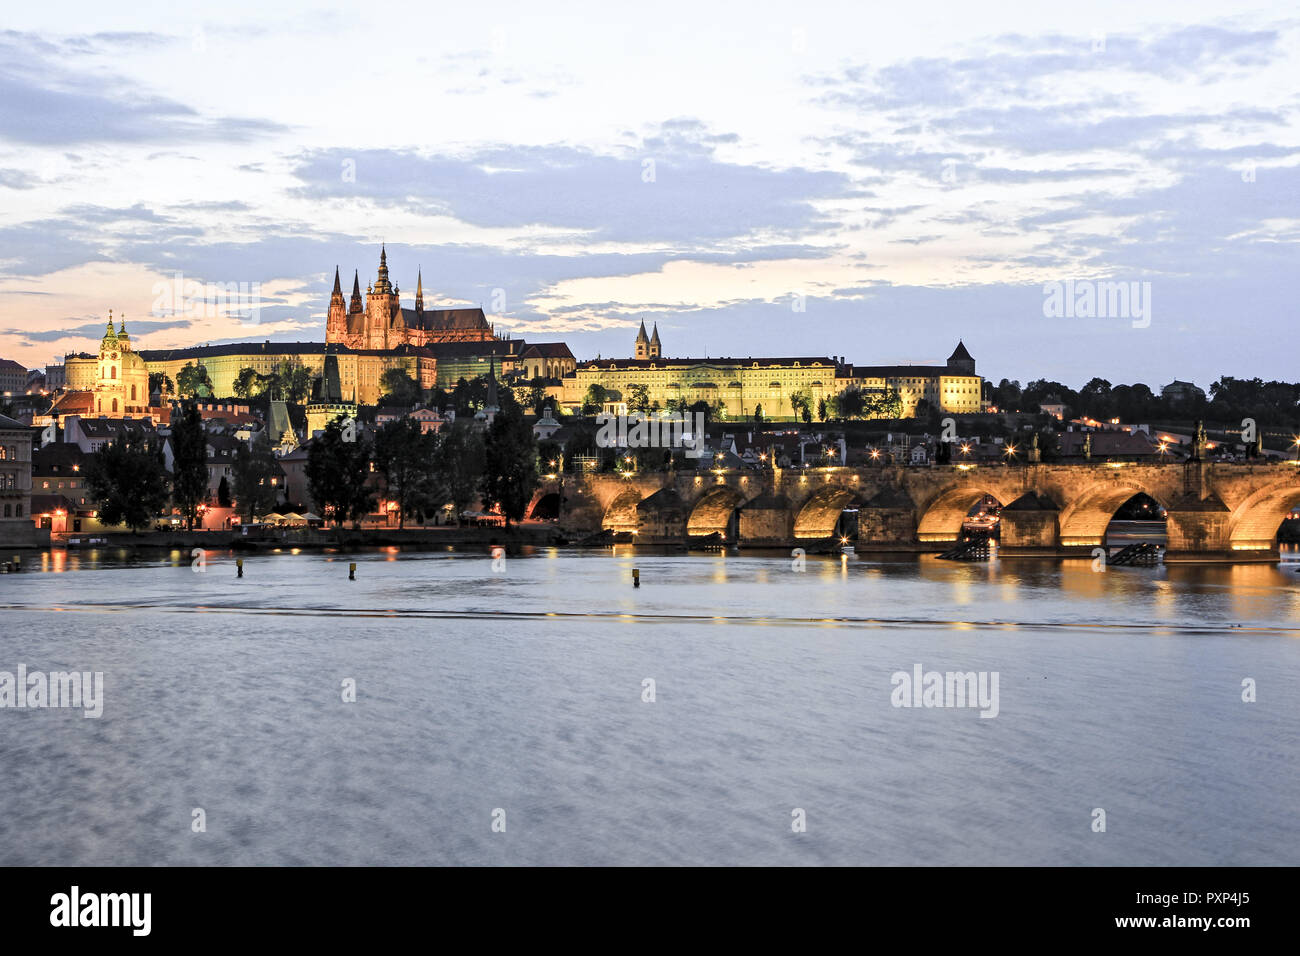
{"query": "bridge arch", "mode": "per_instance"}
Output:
(820, 513)
(942, 518)
(545, 506)
(1254, 523)
(621, 513)
(1086, 516)
(713, 512)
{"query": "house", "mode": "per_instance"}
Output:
(17, 528)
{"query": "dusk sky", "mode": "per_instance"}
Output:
(917, 172)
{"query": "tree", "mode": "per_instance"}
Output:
(821, 409)
(850, 403)
(192, 381)
(510, 463)
(800, 404)
(247, 383)
(189, 463)
(337, 471)
(295, 383)
(758, 413)
(537, 395)
(468, 397)
(159, 382)
(223, 493)
(404, 455)
(129, 482)
(594, 400)
(638, 398)
(398, 388)
(460, 462)
(254, 469)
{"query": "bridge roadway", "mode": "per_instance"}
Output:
(1214, 511)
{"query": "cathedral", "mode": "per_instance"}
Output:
(381, 323)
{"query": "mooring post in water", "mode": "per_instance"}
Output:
(636, 577)
(239, 567)
(352, 571)
(18, 563)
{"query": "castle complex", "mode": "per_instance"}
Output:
(368, 336)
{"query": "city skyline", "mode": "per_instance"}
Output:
(914, 192)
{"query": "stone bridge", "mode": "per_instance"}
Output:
(1219, 511)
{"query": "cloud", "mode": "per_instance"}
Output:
(47, 100)
(671, 188)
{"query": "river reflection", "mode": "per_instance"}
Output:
(522, 685)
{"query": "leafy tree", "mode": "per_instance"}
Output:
(223, 493)
(537, 395)
(294, 383)
(594, 400)
(821, 409)
(129, 481)
(758, 412)
(469, 396)
(510, 463)
(337, 472)
(192, 381)
(638, 398)
(850, 403)
(549, 451)
(247, 383)
(399, 388)
(460, 463)
(801, 404)
(405, 455)
(161, 383)
(254, 468)
(189, 463)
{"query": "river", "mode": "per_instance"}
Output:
(503, 711)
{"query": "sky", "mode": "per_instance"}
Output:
(874, 181)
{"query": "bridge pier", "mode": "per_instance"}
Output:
(1030, 526)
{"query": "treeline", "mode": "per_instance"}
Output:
(1229, 400)
(421, 472)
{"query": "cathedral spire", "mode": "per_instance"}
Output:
(419, 290)
(338, 290)
(382, 285)
(355, 305)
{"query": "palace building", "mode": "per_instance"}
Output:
(381, 322)
(775, 384)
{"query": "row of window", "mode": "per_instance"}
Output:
(8, 453)
(17, 511)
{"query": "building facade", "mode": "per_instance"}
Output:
(380, 322)
(953, 388)
(17, 526)
(778, 385)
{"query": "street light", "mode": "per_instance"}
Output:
(1010, 452)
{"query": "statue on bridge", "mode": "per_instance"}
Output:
(1199, 442)
(1035, 453)
(1087, 447)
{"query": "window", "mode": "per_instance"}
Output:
(112, 373)
(7, 509)
(115, 404)
(18, 511)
